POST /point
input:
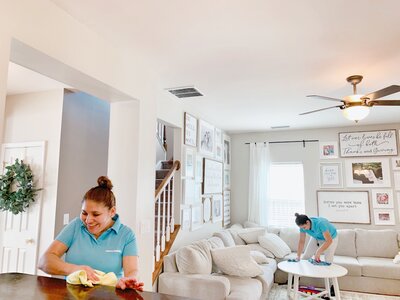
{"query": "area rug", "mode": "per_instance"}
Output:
(279, 292)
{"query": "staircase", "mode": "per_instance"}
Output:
(165, 230)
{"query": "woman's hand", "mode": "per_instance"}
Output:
(317, 257)
(129, 283)
(91, 274)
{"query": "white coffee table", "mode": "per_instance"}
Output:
(304, 268)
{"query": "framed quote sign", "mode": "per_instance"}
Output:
(344, 206)
(368, 143)
(212, 181)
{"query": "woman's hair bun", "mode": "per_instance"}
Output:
(296, 214)
(104, 182)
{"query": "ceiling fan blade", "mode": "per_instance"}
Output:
(384, 102)
(325, 98)
(313, 111)
(383, 92)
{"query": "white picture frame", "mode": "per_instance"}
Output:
(207, 209)
(368, 143)
(199, 169)
(384, 217)
(189, 160)
(186, 218)
(227, 151)
(206, 141)
(227, 179)
(190, 130)
(342, 206)
(217, 208)
(212, 176)
(367, 172)
(328, 150)
(197, 193)
(196, 217)
(331, 175)
(219, 149)
(382, 198)
(396, 163)
(188, 191)
(396, 179)
(227, 208)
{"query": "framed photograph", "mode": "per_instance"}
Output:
(331, 175)
(189, 163)
(344, 206)
(398, 202)
(190, 130)
(227, 179)
(207, 211)
(328, 150)
(186, 218)
(217, 208)
(189, 191)
(227, 208)
(396, 178)
(384, 217)
(367, 172)
(199, 169)
(368, 143)
(219, 155)
(227, 152)
(396, 163)
(382, 198)
(196, 217)
(206, 138)
(197, 193)
(212, 176)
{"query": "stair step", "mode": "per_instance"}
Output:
(167, 164)
(161, 174)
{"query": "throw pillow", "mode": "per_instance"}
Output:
(248, 224)
(236, 261)
(194, 258)
(259, 257)
(250, 235)
(257, 247)
(275, 244)
(226, 237)
(238, 240)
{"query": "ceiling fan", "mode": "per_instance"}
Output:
(356, 107)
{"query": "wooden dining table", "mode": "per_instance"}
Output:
(32, 287)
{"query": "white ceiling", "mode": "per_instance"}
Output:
(256, 60)
(22, 80)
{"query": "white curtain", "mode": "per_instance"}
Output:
(258, 183)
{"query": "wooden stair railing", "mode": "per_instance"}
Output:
(165, 222)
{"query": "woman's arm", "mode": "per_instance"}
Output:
(51, 262)
(300, 247)
(324, 246)
(130, 281)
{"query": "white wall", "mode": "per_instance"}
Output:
(37, 117)
(290, 153)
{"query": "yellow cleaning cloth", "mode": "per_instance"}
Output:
(80, 277)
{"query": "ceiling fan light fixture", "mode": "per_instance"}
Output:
(356, 113)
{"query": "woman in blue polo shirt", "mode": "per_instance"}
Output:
(323, 239)
(96, 241)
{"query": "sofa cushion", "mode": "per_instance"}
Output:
(236, 261)
(249, 224)
(350, 263)
(194, 258)
(275, 244)
(379, 267)
(236, 238)
(257, 247)
(236, 226)
(376, 243)
(290, 235)
(250, 235)
(346, 243)
(267, 278)
(259, 257)
(215, 242)
(226, 237)
(244, 288)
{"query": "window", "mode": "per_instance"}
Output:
(286, 193)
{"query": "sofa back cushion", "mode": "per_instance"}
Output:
(347, 243)
(376, 243)
(226, 237)
(250, 235)
(275, 244)
(290, 235)
(169, 263)
(194, 258)
(215, 242)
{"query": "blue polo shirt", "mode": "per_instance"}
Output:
(318, 227)
(105, 253)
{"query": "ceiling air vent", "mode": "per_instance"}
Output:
(185, 92)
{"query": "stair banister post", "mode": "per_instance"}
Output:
(168, 229)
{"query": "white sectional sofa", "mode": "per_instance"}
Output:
(366, 254)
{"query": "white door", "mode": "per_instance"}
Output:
(19, 234)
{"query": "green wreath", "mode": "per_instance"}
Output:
(17, 190)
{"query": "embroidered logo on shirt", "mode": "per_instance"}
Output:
(114, 251)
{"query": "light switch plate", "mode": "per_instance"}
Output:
(66, 219)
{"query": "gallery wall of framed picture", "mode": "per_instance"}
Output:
(360, 178)
(206, 165)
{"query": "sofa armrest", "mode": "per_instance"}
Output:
(200, 286)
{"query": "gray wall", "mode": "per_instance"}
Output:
(292, 153)
(83, 153)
